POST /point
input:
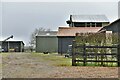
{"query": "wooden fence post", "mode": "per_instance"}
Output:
(118, 48)
(84, 55)
(118, 57)
(73, 53)
(102, 59)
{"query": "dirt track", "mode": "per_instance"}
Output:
(23, 65)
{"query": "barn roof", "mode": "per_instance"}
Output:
(71, 31)
(89, 18)
(47, 33)
(109, 26)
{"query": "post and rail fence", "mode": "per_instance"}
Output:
(85, 56)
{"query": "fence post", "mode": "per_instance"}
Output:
(118, 48)
(73, 53)
(101, 59)
(118, 52)
(84, 55)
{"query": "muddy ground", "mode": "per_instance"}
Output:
(25, 65)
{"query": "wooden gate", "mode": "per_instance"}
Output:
(86, 54)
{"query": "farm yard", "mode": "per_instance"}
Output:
(87, 47)
(38, 65)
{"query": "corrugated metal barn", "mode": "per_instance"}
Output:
(47, 42)
(79, 24)
(88, 21)
(58, 41)
(114, 27)
(13, 46)
(67, 34)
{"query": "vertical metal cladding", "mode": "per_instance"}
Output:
(47, 41)
(46, 44)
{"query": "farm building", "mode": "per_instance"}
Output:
(47, 41)
(88, 21)
(79, 24)
(12, 46)
(67, 34)
(114, 27)
(58, 41)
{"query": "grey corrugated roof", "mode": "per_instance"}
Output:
(89, 18)
(47, 33)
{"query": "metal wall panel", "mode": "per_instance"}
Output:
(63, 44)
(46, 44)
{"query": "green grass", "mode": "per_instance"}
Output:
(97, 64)
(58, 60)
(5, 54)
(54, 58)
(105, 64)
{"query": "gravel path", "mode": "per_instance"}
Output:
(23, 65)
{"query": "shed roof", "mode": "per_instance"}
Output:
(71, 31)
(47, 33)
(89, 18)
(109, 26)
(13, 42)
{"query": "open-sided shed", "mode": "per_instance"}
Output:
(12, 46)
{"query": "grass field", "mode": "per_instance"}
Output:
(38, 65)
(54, 58)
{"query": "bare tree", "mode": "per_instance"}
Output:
(37, 31)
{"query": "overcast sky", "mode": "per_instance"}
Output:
(60, 0)
(20, 18)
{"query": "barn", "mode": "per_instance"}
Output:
(114, 27)
(67, 34)
(79, 24)
(47, 41)
(12, 46)
(58, 41)
(87, 21)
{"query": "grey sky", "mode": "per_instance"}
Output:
(59, 0)
(21, 18)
